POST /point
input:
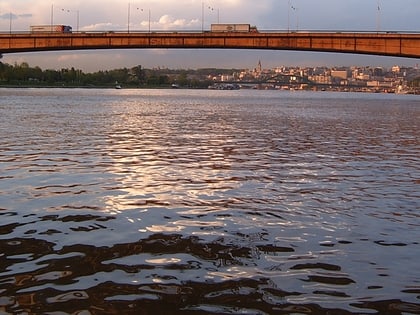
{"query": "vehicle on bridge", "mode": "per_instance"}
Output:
(51, 29)
(244, 28)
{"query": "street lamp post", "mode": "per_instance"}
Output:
(77, 17)
(14, 16)
(291, 6)
(218, 13)
(202, 14)
(52, 17)
(128, 18)
(149, 17)
(10, 22)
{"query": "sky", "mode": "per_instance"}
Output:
(115, 15)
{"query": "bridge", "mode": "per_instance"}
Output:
(379, 43)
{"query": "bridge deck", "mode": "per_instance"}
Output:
(388, 44)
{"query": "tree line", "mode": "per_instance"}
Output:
(24, 75)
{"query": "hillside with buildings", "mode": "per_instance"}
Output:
(361, 79)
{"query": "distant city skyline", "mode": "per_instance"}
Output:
(95, 15)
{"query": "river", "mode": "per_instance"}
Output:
(209, 202)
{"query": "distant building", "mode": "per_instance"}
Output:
(378, 72)
(363, 77)
(227, 78)
(396, 69)
(341, 74)
(320, 79)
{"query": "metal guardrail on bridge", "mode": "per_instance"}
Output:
(343, 31)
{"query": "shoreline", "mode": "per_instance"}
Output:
(312, 89)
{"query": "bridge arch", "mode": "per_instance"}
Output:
(386, 44)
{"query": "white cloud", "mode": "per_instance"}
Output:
(168, 22)
(68, 57)
(97, 27)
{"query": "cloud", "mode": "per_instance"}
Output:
(164, 22)
(8, 16)
(98, 27)
(68, 57)
(27, 15)
(169, 22)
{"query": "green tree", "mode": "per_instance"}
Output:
(52, 76)
(182, 79)
(139, 74)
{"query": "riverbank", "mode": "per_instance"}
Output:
(239, 87)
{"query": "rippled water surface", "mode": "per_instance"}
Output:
(228, 202)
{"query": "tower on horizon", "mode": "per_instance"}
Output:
(259, 67)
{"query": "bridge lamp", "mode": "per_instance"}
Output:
(77, 20)
(52, 16)
(10, 22)
(77, 17)
(218, 13)
(202, 14)
(297, 16)
(149, 16)
(13, 16)
(129, 17)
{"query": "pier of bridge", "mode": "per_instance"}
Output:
(386, 44)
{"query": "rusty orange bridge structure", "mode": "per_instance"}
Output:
(378, 43)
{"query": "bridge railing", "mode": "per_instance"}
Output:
(282, 31)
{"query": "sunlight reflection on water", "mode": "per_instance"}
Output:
(225, 201)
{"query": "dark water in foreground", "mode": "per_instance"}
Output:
(243, 202)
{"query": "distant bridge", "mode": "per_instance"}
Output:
(380, 43)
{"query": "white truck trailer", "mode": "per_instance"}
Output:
(51, 29)
(244, 28)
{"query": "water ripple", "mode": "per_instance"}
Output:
(244, 202)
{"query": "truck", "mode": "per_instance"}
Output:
(243, 28)
(51, 29)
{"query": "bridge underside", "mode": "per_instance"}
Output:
(386, 44)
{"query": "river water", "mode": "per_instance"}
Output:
(202, 202)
